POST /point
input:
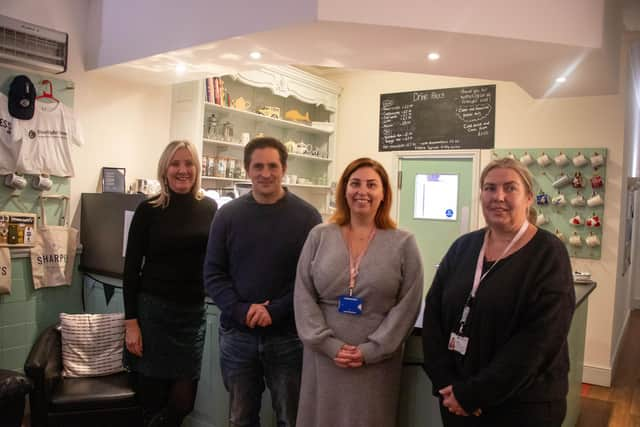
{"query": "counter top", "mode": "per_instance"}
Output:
(583, 290)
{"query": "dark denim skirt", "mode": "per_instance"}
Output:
(172, 338)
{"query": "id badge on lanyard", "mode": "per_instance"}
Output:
(458, 342)
(350, 304)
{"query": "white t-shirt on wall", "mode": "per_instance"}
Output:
(45, 140)
(8, 147)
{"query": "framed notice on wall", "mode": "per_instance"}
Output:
(113, 180)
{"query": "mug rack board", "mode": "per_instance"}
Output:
(27, 200)
(569, 193)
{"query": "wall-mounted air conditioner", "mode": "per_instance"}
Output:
(32, 46)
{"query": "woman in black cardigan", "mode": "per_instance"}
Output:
(498, 313)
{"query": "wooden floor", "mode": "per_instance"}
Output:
(619, 405)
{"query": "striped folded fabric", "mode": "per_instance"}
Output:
(92, 344)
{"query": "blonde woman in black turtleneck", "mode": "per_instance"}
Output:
(163, 290)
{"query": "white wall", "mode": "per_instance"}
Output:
(125, 125)
(521, 122)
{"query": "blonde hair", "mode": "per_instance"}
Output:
(163, 166)
(342, 215)
(514, 165)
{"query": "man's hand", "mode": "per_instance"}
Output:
(349, 356)
(133, 337)
(258, 315)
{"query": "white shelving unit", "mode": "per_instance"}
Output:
(283, 87)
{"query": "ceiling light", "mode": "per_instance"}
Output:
(433, 56)
(561, 79)
(255, 55)
(180, 68)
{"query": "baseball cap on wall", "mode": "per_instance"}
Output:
(22, 98)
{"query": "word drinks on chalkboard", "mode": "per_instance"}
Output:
(442, 119)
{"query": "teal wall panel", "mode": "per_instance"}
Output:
(26, 311)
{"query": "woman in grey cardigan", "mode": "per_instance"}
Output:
(358, 292)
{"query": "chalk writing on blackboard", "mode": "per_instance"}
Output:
(442, 119)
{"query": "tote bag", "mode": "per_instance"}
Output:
(53, 254)
(5, 271)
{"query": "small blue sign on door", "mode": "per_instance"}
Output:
(449, 213)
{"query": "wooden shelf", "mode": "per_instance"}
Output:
(264, 119)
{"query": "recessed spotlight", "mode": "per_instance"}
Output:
(561, 79)
(433, 56)
(180, 68)
(255, 55)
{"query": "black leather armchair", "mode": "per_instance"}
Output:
(13, 387)
(92, 401)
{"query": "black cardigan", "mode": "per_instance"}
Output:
(517, 328)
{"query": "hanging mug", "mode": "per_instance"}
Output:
(596, 181)
(561, 160)
(575, 240)
(575, 220)
(560, 235)
(544, 160)
(526, 159)
(593, 222)
(592, 240)
(578, 201)
(42, 182)
(541, 219)
(542, 198)
(559, 200)
(562, 181)
(577, 181)
(15, 181)
(510, 156)
(597, 160)
(580, 160)
(595, 200)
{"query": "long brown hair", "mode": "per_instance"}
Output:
(342, 215)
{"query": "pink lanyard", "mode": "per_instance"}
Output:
(354, 263)
(479, 276)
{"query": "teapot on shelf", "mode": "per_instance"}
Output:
(241, 104)
(302, 148)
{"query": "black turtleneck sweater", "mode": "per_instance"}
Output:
(165, 251)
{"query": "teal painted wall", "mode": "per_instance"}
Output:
(26, 311)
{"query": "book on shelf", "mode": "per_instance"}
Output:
(216, 90)
(209, 86)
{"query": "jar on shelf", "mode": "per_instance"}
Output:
(231, 165)
(221, 167)
(227, 131)
(204, 166)
(211, 166)
(212, 126)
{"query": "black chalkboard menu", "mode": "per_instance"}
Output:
(441, 119)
